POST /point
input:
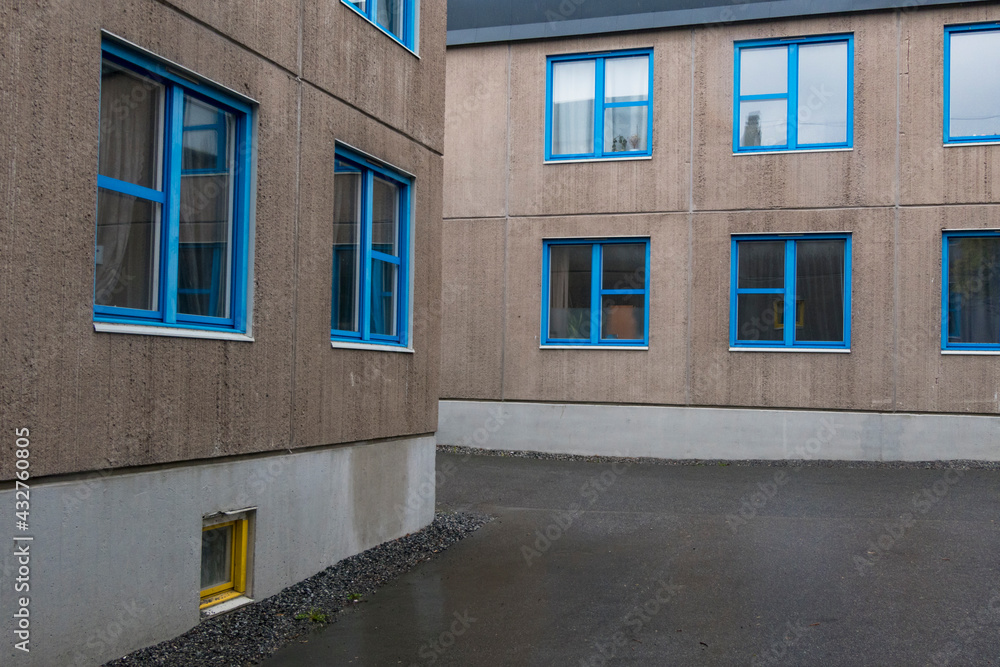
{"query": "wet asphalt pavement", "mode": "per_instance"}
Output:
(616, 564)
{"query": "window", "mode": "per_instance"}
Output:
(398, 18)
(971, 308)
(371, 252)
(224, 550)
(599, 106)
(794, 94)
(971, 100)
(791, 291)
(596, 293)
(172, 199)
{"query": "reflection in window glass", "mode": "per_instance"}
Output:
(973, 279)
(216, 556)
(597, 293)
(794, 95)
(974, 98)
(128, 251)
(776, 305)
(346, 247)
(573, 107)
(570, 292)
(600, 106)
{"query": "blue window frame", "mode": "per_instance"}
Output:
(971, 100)
(599, 105)
(396, 18)
(371, 252)
(971, 298)
(596, 292)
(794, 94)
(791, 291)
(173, 198)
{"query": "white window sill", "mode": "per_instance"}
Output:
(345, 345)
(972, 353)
(593, 347)
(224, 607)
(172, 332)
(810, 350)
(796, 151)
(957, 144)
(601, 159)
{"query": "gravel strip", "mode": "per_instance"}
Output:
(250, 634)
(958, 464)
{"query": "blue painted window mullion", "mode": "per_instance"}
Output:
(595, 294)
(599, 107)
(367, 263)
(788, 316)
(793, 95)
(174, 147)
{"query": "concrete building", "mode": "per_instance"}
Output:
(220, 269)
(723, 229)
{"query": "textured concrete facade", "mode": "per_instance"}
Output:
(109, 404)
(893, 191)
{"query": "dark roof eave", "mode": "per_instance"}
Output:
(755, 11)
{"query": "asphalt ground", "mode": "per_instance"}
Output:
(601, 563)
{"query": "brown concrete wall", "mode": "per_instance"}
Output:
(634, 186)
(472, 261)
(475, 140)
(613, 376)
(895, 209)
(932, 173)
(863, 176)
(860, 380)
(928, 380)
(345, 395)
(347, 56)
(101, 400)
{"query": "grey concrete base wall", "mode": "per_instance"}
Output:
(717, 433)
(115, 560)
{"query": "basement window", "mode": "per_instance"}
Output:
(225, 547)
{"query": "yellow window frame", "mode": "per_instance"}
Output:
(237, 584)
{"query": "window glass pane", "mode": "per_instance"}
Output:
(975, 96)
(131, 127)
(128, 251)
(346, 247)
(200, 279)
(198, 113)
(974, 290)
(360, 4)
(390, 16)
(764, 71)
(201, 150)
(216, 557)
(625, 129)
(385, 217)
(573, 107)
(760, 317)
(761, 265)
(823, 94)
(383, 315)
(819, 288)
(570, 269)
(624, 266)
(623, 316)
(626, 79)
(764, 123)
(206, 216)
